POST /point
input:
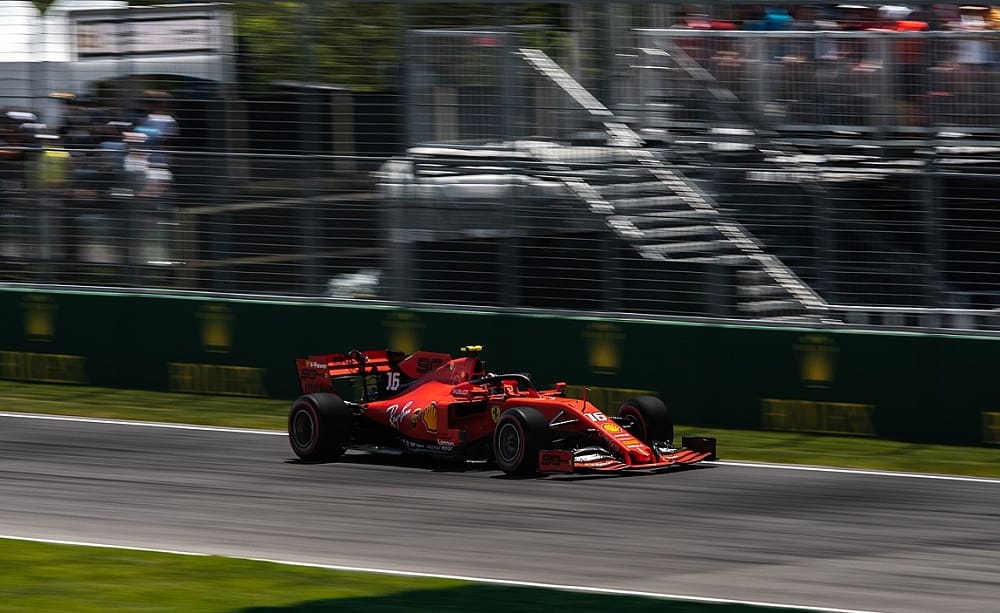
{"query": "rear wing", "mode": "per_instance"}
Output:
(318, 372)
(351, 363)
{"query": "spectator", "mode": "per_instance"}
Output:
(14, 145)
(160, 130)
(907, 60)
(819, 20)
(972, 80)
(51, 167)
(857, 17)
(49, 179)
(77, 123)
(993, 18)
(135, 164)
(972, 52)
(159, 125)
(109, 157)
(774, 19)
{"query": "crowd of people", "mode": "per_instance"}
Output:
(850, 75)
(841, 17)
(96, 150)
(83, 174)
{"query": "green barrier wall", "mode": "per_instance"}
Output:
(902, 386)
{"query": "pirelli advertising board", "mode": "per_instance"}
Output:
(914, 387)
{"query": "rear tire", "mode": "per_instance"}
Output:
(319, 427)
(518, 437)
(648, 419)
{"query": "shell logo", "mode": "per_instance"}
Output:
(216, 327)
(611, 427)
(430, 417)
(403, 331)
(604, 347)
(817, 357)
(39, 317)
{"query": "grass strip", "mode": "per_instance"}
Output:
(851, 452)
(230, 411)
(43, 577)
(748, 445)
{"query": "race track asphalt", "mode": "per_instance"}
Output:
(839, 540)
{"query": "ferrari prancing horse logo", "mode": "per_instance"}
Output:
(495, 413)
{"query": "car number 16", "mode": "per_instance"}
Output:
(392, 384)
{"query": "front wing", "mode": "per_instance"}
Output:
(693, 449)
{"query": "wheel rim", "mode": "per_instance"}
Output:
(303, 428)
(508, 444)
(634, 424)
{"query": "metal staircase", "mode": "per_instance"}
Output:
(663, 214)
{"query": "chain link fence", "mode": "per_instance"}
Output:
(635, 158)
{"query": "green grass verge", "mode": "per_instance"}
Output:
(853, 452)
(42, 577)
(234, 411)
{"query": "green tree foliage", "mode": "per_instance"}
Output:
(357, 44)
(361, 44)
(326, 42)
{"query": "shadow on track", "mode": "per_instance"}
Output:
(402, 461)
(497, 599)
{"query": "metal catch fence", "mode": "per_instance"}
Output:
(574, 158)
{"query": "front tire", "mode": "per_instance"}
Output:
(518, 437)
(648, 419)
(319, 427)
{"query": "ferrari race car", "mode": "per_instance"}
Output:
(432, 404)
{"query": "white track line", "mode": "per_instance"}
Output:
(144, 424)
(856, 471)
(426, 575)
(90, 544)
(804, 468)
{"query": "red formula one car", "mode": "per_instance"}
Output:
(432, 404)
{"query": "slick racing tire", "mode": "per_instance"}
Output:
(519, 435)
(319, 427)
(648, 419)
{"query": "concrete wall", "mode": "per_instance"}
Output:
(902, 386)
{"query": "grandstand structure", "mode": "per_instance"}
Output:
(735, 174)
(823, 177)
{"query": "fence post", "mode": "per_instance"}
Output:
(886, 95)
(931, 206)
(611, 273)
(510, 240)
(401, 181)
(508, 71)
(824, 229)
(759, 53)
(310, 170)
